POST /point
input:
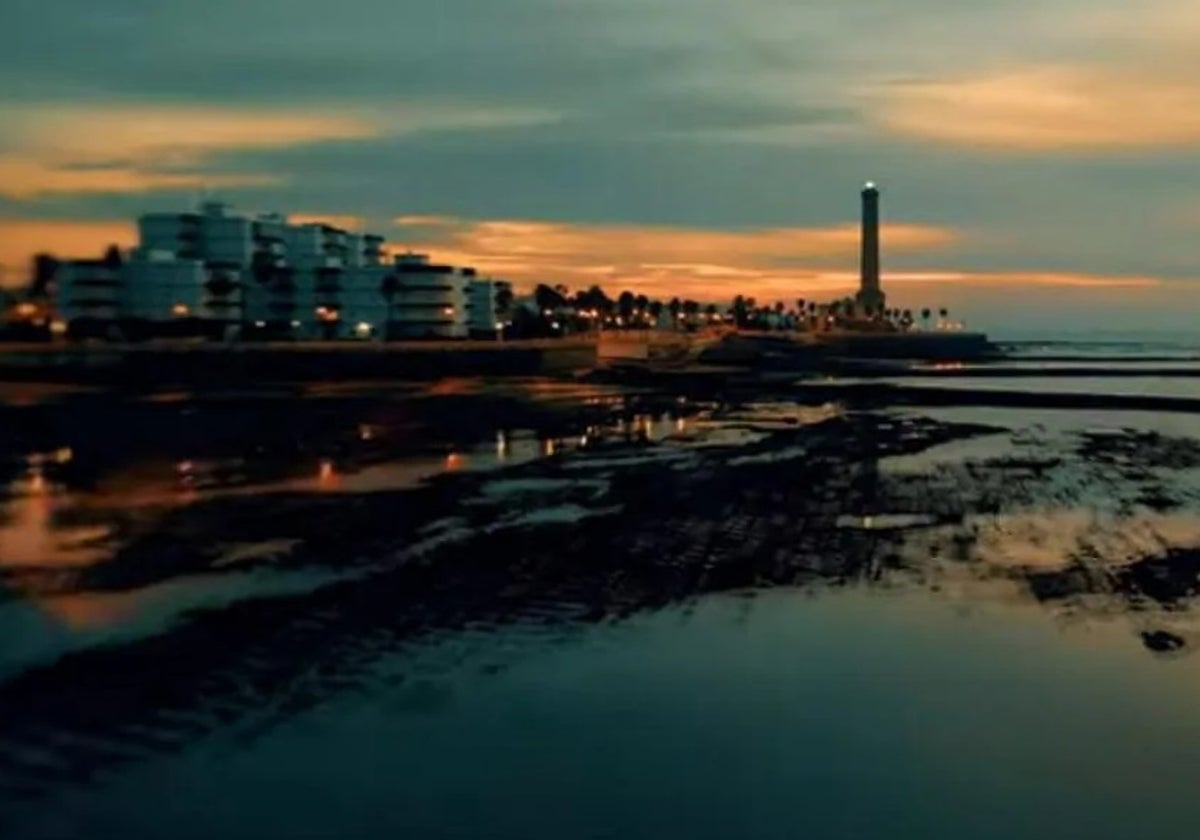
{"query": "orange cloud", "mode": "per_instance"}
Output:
(533, 241)
(20, 239)
(1051, 108)
(1025, 278)
(121, 148)
(64, 150)
(770, 263)
(167, 135)
(425, 221)
(24, 178)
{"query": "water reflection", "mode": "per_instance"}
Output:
(807, 506)
(37, 530)
(55, 487)
(327, 475)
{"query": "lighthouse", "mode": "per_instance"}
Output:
(870, 295)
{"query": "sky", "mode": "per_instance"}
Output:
(1038, 158)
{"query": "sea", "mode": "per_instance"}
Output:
(854, 709)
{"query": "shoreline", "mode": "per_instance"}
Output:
(138, 365)
(622, 502)
(592, 534)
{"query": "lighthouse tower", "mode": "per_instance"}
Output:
(870, 296)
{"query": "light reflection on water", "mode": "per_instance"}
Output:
(1126, 386)
(49, 521)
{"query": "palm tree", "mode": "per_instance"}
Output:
(655, 308)
(45, 267)
(642, 303)
(112, 258)
(739, 312)
(504, 302)
(625, 303)
(548, 298)
(674, 308)
(925, 315)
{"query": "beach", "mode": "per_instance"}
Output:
(702, 605)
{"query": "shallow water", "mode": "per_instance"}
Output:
(934, 698)
(1131, 386)
(845, 714)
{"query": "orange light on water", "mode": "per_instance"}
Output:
(326, 473)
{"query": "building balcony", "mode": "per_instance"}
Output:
(423, 268)
(92, 303)
(96, 282)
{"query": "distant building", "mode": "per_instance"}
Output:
(90, 295)
(487, 311)
(213, 271)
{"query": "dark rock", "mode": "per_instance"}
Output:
(1160, 641)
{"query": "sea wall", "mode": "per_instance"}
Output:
(928, 346)
(201, 364)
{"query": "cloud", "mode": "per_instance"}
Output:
(664, 260)
(713, 264)
(976, 279)
(425, 221)
(167, 134)
(59, 149)
(698, 116)
(1047, 109)
(22, 178)
(123, 148)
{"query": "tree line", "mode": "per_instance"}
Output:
(556, 309)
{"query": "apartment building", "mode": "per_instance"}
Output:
(214, 272)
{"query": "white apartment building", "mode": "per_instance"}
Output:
(89, 294)
(485, 317)
(216, 271)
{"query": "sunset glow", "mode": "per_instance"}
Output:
(1028, 145)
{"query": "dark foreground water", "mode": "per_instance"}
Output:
(834, 714)
(567, 611)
